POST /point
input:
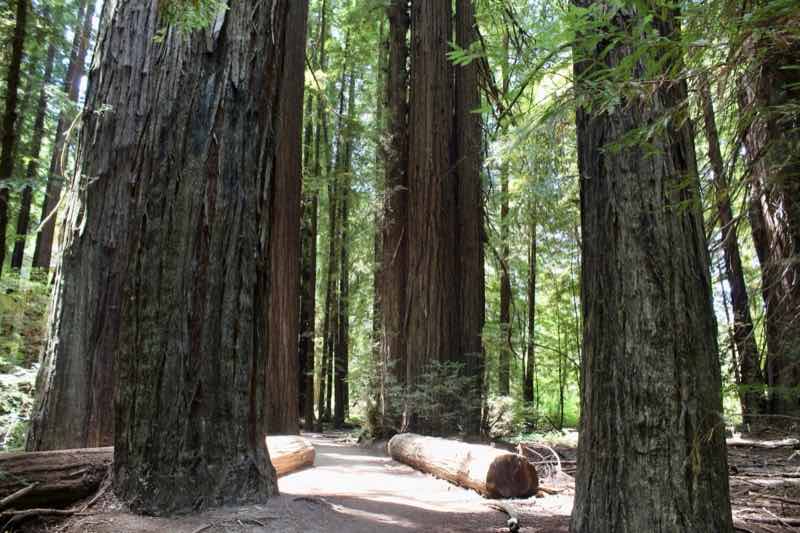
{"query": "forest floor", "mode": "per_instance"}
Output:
(354, 489)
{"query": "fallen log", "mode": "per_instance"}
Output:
(290, 453)
(62, 477)
(491, 472)
(766, 444)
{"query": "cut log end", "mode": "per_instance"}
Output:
(511, 476)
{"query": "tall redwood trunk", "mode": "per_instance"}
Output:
(768, 90)
(191, 404)
(394, 256)
(651, 454)
(504, 360)
(42, 255)
(8, 142)
(445, 281)
(751, 380)
(283, 310)
(470, 218)
(342, 347)
(24, 216)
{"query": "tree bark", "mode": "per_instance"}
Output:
(529, 377)
(492, 472)
(769, 86)
(166, 249)
(504, 361)
(24, 216)
(470, 218)
(651, 452)
(751, 380)
(284, 288)
(394, 260)
(10, 135)
(43, 251)
(342, 347)
(445, 282)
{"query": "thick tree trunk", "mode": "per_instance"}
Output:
(24, 216)
(394, 259)
(529, 377)
(10, 135)
(751, 380)
(284, 288)
(433, 280)
(167, 251)
(492, 472)
(42, 255)
(651, 454)
(769, 87)
(470, 218)
(62, 477)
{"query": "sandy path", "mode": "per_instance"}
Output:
(350, 489)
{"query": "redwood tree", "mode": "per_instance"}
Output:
(8, 142)
(45, 239)
(174, 234)
(445, 283)
(651, 452)
(284, 289)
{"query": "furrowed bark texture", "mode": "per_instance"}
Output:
(45, 239)
(751, 380)
(284, 289)
(651, 450)
(166, 242)
(9, 131)
(433, 281)
(445, 283)
(394, 262)
(74, 388)
(470, 216)
(24, 216)
(770, 86)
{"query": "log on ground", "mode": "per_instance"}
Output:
(492, 472)
(60, 478)
(290, 453)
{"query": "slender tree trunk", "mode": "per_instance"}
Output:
(770, 86)
(282, 412)
(394, 262)
(24, 216)
(342, 349)
(308, 275)
(651, 454)
(9, 132)
(470, 217)
(332, 297)
(504, 363)
(751, 380)
(42, 255)
(190, 400)
(530, 364)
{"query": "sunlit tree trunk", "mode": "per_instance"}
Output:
(42, 255)
(529, 376)
(751, 379)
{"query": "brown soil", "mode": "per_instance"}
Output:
(354, 489)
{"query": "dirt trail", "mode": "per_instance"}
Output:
(350, 489)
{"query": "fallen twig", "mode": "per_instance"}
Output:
(513, 518)
(11, 498)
